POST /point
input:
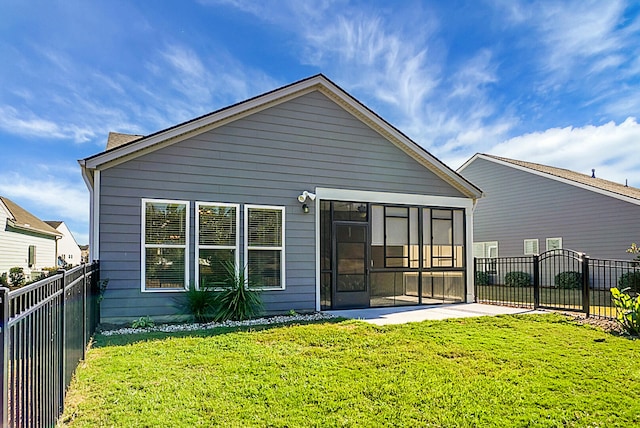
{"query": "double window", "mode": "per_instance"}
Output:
(165, 244)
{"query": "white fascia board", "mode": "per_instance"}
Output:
(393, 198)
(417, 152)
(265, 101)
(205, 123)
(468, 162)
(562, 180)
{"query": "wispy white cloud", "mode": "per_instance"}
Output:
(28, 124)
(605, 148)
(396, 63)
(51, 193)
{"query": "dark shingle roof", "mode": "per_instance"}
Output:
(598, 183)
(23, 219)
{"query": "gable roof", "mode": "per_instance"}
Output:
(53, 224)
(23, 219)
(140, 146)
(116, 139)
(585, 181)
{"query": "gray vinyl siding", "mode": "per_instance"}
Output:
(268, 158)
(519, 205)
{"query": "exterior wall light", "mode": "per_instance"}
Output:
(303, 197)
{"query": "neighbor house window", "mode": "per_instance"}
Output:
(165, 243)
(32, 255)
(530, 247)
(486, 250)
(554, 244)
(216, 242)
(264, 246)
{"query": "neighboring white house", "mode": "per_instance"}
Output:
(68, 251)
(25, 240)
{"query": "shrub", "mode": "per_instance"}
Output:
(483, 278)
(143, 322)
(630, 281)
(517, 279)
(236, 301)
(569, 280)
(200, 303)
(3, 280)
(16, 276)
(627, 311)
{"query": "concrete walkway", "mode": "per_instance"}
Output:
(405, 314)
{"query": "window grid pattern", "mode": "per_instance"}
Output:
(165, 243)
(264, 247)
(217, 238)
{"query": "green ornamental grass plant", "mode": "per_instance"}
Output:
(236, 300)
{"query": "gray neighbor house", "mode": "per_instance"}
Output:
(322, 202)
(530, 208)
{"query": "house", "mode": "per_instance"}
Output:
(67, 252)
(84, 253)
(530, 208)
(25, 240)
(322, 202)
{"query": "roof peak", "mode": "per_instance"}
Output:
(577, 177)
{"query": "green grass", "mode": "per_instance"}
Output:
(530, 370)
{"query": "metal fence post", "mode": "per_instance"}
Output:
(84, 310)
(536, 281)
(4, 343)
(63, 348)
(586, 307)
(475, 279)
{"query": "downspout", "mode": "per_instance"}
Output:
(92, 180)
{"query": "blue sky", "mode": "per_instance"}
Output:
(555, 82)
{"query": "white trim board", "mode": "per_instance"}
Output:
(315, 83)
(551, 177)
(393, 198)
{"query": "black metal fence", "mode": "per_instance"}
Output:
(557, 279)
(45, 329)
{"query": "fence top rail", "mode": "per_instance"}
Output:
(631, 262)
(562, 252)
(31, 287)
(528, 259)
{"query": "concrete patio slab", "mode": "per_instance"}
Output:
(405, 314)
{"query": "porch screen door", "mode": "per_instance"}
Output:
(351, 274)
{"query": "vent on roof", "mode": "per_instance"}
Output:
(593, 173)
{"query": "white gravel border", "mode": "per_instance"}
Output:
(170, 328)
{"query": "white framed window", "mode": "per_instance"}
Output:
(217, 241)
(264, 246)
(486, 250)
(554, 244)
(483, 250)
(165, 245)
(531, 247)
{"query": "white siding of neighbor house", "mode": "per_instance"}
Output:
(67, 246)
(267, 158)
(14, 248)
(519, 205)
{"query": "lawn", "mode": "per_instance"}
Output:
(532, 370)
